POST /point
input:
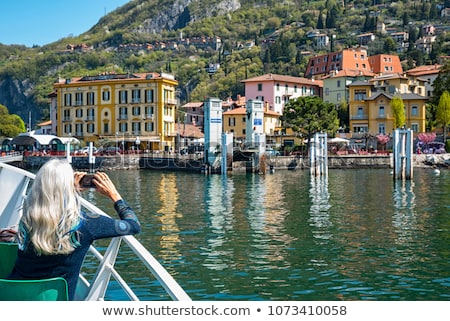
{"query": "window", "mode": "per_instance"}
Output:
(68, 129)
(149, 97)
(90, 114)
(78, 129)
(90, 98)
(149, 112)
(105, 128)
(136, 96)
(278, 87)
(260, 87)
(277, 99)
(415, 128)
(67, 100)
(79, 113)
(106, 95)
(381, 111)
(360, 94)
(123, 113)
(136, 111)
(338, 97)
(90, 128)
(136, 128)
(381, 129)
(295, 88)
(231, 121)
(66, 116)
(123, 127)
(338, 83)
(360, 112)
(123, 97)
(79, 99)
(149, 126)
(327, 91)
(414, 111)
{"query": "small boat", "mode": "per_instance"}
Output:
(13, 188)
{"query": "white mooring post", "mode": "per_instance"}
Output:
(318, 155)
(227, 152)
(403, 153)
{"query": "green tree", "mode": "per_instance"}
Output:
(398, 110)
(389, 45)
(320, 24)
(310, 114)
(11, 125)
(443, 112)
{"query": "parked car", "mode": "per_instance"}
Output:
(85, 151)
(272, 152)
(112, 150)
(432, 148)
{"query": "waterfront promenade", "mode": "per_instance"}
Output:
(192, 163)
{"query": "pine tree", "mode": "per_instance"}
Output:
(320, 21)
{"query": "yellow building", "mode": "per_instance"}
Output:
(128, 109)
(370, 108)
(234, 121)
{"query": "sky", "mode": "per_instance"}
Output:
(40, 22)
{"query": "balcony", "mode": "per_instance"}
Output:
(136, 101)
(359, 117)
(122, 117)
(171, 101)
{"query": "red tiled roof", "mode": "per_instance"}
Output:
(283, 78)
(189, 130)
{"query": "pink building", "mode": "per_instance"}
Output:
(276, 90)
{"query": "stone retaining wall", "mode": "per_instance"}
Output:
(278, 162)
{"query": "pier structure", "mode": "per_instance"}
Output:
(213, 133)
(227, 153)
(403, 154)
(254, 133)
(318, 155)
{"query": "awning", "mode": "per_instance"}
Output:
(30, 139)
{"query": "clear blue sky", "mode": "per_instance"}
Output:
(40, 22)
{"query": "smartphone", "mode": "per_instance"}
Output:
(86, 181)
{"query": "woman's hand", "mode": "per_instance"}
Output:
(77, 176)
(106, 187)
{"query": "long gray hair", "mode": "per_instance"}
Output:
(51, 210)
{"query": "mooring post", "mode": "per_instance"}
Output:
(403, 154)
(318, 155)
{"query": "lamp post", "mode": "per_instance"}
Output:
(138, 143)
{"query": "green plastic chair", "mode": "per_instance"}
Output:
(8, 255)
(54, 289)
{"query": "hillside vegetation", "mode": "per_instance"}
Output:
(257, 37)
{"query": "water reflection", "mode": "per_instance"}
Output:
(404, 216)
(319, 211)
(290, 236)
(219, 194)
(170, 236)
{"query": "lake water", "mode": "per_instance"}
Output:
(358, 235)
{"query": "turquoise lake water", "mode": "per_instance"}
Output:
(357, 235)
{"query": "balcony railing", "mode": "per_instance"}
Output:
(359, 117)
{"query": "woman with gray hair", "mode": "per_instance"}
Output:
(55, 234)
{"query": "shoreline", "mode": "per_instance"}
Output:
(124, 162)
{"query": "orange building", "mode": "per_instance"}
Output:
(382, 64)
(352, 58)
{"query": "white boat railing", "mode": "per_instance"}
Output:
(13, 187)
